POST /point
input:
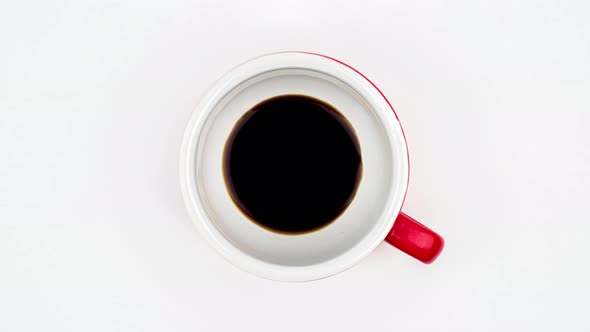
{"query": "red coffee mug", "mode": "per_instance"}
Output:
(373, 216)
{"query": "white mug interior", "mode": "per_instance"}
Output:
(346, 240)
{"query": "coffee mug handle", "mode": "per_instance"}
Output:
(415, 239)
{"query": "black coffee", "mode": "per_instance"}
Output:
(292, 164)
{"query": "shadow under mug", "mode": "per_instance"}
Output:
(373, 216)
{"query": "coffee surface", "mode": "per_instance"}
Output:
(292, 164)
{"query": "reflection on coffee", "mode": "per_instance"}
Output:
(292, 164)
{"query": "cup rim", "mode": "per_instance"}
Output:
(290, 60)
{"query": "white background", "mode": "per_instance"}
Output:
(494, 97)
